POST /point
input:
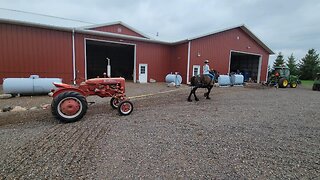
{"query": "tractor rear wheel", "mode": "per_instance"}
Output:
(293, 84)
(125, 108)
(69, 106)
(114, 102)
(283, 83)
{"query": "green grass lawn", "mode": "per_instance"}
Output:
(307, 83)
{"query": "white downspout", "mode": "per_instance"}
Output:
(259, 69)
(267, 72)
(188, 65)
(73, 58)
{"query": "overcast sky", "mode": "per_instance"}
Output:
(283, 25)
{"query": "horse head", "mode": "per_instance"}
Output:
(215, 74)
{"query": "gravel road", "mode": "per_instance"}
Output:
(241, 133)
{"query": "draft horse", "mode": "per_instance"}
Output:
(202, 81)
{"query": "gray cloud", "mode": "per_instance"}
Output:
(286, 26)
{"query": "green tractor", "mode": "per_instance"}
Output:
(316, 84)
(281, 77)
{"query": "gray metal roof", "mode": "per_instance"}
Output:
(82, 30)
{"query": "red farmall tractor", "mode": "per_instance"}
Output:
(69, 102)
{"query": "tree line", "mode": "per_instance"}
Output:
(307, 68)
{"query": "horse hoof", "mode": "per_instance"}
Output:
(208, 98)
(189, 100)
(197, 99)
(205, 94)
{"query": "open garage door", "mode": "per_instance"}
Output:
(121, 59)
(247, 64)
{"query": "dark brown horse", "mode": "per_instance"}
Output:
(202, 81)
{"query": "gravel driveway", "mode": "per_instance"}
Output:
(242, 133)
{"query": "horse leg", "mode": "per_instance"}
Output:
(209, 90)
(189, 97)
(194, 93)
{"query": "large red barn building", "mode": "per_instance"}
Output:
(80, 53)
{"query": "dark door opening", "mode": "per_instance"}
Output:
(247, 64)
(121, 59)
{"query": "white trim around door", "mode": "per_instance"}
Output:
(101, 40)
(243, 52)
(143, 73)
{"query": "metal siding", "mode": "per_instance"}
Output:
(179, 60)
(30, 50)
(80, 57)
(216, 48)
(114, 29)
(4, 46)
(157, 56)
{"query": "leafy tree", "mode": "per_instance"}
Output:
(291, 63)
(279, 61)
(309, 65)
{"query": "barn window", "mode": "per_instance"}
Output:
(196, 70)
(143, 69)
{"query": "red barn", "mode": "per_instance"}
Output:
(81, 53)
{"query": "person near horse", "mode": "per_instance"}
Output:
(206, 69)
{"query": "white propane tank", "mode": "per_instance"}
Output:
(29, 86)
(238, 79)
(174, 78)
(224, 80)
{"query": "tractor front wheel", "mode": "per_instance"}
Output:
(114, 102)
(125, 108)
(69, 106)
(283, 83)
(293, 84)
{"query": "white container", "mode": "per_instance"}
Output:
(239, 79)
(224, 80)
(31, 85)
(174, 78)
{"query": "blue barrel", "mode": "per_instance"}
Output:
(29, 86)
(224, 80)
(175, 78)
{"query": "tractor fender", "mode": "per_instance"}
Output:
(62, 90)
